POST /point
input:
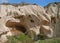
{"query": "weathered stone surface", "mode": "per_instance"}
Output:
(53, 9)
(14, 20)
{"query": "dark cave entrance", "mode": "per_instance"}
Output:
(21, 28)
(17, 26)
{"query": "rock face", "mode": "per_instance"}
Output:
(27, 18)
(53, 9)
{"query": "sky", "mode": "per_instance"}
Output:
(39, 2)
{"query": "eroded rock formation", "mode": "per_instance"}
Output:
(14, 20)
(53, 9)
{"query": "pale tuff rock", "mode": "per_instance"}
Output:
(53, 9)
(47, 30)
(23, 19)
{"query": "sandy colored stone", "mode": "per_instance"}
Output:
(23, 19)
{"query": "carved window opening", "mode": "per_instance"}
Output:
(19, 9)
(0, 17)
(53, 20)
(32, 21)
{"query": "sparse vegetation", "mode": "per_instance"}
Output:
(19, 39)
(48, 41)
(25, 39)
(16, 5)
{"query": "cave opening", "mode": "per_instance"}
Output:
(21, 28)
(16, 27)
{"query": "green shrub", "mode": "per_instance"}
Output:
(25, 39)
(20, 39)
